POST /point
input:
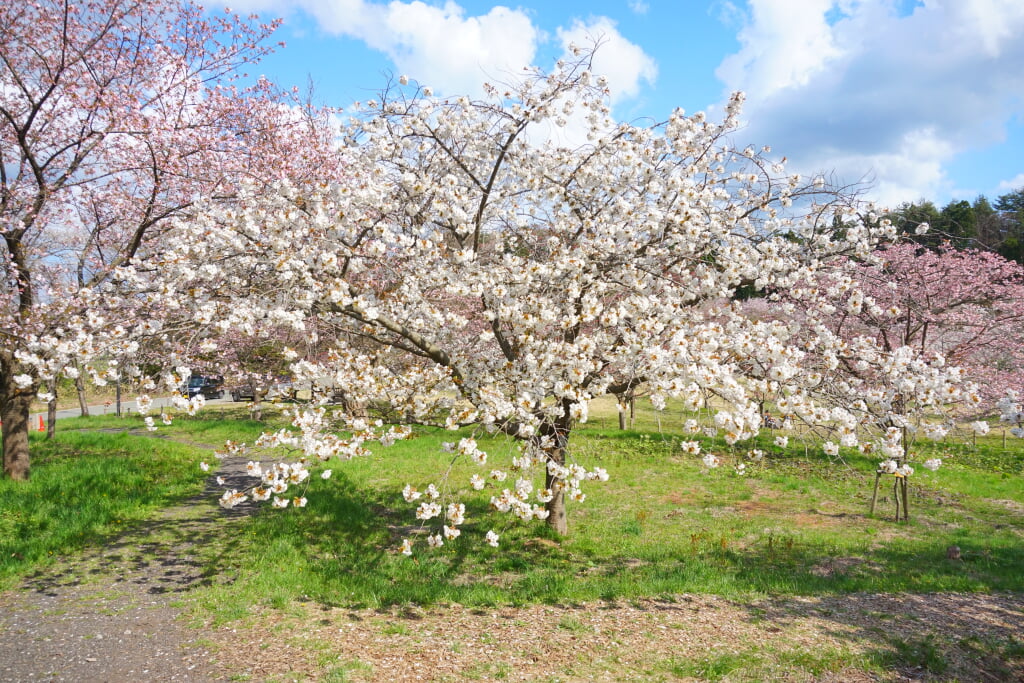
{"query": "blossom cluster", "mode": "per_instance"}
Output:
(1011, 410)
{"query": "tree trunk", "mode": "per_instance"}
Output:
(14, 413)
(874, 495)
(80, 388)
(558, 520)
(622, 411)
(352, 407)
(51, 410)
(256, 409)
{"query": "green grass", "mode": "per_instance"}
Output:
(85, 488)
(796, 524)
(761, 664)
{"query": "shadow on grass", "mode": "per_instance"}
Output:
(168, 553)
(934, 636)
(342, 551)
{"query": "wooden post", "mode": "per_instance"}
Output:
(874, 495)
(51, 409)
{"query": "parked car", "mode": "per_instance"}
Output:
(210, 386)
(243, 392)
(280, 389)
(283, 389)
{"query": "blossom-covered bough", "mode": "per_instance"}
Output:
(479, 275)
(114, 116)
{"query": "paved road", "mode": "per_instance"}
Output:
(126, 407)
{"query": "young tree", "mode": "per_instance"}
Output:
(114, 116)
(919, 339)
(495, 278)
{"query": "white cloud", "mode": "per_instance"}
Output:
(622, 62)
(906, 173)
(438, 46)
(1013, 184)
(784, 43)
(441, 46)
(857, 87)
(639, 6)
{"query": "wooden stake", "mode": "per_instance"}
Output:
(874, 495)
(906, 500)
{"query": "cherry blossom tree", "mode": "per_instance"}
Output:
(905, 343)
(114, 117)
(499, 280)
(966, 307)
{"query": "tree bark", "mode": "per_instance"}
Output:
(622, 412)
(51, 410)
(558, 519)
(352, 407)
(874, 495)
(80, 388)
(256, 409)
(14, 413)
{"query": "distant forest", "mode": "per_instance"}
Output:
(993, 226)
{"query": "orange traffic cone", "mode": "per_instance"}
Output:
(42, 427)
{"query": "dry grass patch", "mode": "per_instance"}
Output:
(688, 637)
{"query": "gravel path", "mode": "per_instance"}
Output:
(109, 614)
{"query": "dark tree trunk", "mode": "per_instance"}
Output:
(80, 388)
(14, 413)
(621, 400)
(51, 410)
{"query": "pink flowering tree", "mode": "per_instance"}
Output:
(480, 275)
(114, 117)
(966, 307)
(904, 343)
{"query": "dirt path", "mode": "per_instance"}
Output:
(111, 615)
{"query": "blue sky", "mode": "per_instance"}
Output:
(922, 98)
